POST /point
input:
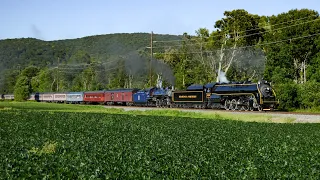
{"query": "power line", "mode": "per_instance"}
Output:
(85, 64)
(248, 35)
(274, 42)
(94, 64)
(256, 28)
(277, 24)
(102, 70)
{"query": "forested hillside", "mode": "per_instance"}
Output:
(283, 49)
(72, 62)
(30, 51)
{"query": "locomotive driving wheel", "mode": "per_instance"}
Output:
(157, 103)
(245, 106)
(233, 105)
(227, 104)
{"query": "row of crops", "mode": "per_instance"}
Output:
(56, 145)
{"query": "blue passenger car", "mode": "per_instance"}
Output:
(75, 97)
(142, 96)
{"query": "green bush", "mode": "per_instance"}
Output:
(288, 96)
(309, 95)
(298, 96)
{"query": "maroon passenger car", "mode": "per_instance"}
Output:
(120, 96)
(94, 97)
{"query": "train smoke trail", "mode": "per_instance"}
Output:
(162, 68)
(222, 77)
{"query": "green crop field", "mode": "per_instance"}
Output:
(56, 144)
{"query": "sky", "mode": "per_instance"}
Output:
(68, 19)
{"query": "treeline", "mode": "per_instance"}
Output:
(282, 49)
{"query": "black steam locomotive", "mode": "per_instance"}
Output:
(230, 96)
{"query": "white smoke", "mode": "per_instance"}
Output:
(222, 77)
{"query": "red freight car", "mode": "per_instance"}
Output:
(120, 96)
(94, 97)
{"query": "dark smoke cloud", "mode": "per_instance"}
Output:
(252, 60)
(135, 63)
(36, 32)
(249, 60)
(164, 69)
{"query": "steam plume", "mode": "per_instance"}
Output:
(222, 77)
(162, 68)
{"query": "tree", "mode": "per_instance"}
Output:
(313, 70)
(288, 95)
(238, 28)
(80, 56)
(43, 81)
(88, 79)
(119, 78)
(22, 89)
(296, 50)
(30, 71)
(309, 95)
(10, 79)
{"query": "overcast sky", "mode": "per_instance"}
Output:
(66, 19)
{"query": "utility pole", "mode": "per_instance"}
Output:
(151, 51)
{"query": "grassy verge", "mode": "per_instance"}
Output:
(30, 106)
(315, 110)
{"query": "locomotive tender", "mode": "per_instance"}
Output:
(229, 96)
